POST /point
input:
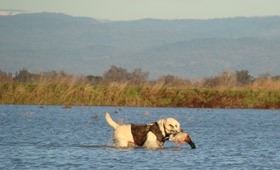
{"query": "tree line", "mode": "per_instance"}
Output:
(134, 78)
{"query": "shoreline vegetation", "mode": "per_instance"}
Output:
(221, 91)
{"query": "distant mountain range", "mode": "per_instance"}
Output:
(184, 48)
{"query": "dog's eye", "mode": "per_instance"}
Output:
(171, 126)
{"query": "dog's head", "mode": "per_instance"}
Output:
(169, 126)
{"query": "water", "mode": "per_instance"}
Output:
(79, 138)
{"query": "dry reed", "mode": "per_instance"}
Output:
(71, 91)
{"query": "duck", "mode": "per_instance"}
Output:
(182, 137)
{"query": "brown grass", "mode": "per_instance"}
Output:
(67, 92)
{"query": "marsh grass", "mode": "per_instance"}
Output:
(67, 92)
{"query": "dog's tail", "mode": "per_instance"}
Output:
(110, 121)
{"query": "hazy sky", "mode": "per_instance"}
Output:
(159, 9)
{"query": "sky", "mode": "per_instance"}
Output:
(120, 10)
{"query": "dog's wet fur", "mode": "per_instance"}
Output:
(151, 135)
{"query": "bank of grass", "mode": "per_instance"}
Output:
(265, 95)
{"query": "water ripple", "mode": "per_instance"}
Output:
(57, 138)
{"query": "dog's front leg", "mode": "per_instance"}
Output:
(152, 141)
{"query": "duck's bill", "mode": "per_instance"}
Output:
(192, 145)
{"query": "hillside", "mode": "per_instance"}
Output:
(185, 48)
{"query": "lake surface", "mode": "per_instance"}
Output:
(79, 138)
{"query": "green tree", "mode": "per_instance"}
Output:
(138, 76)
(5, 77)
(119, 74)
(227, 79)
(116, 74)
(94, 80)
(243, 77)
(170, 80)
(23, 76)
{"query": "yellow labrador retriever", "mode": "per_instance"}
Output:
(151, 135)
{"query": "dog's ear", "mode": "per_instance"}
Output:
(161, 124)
